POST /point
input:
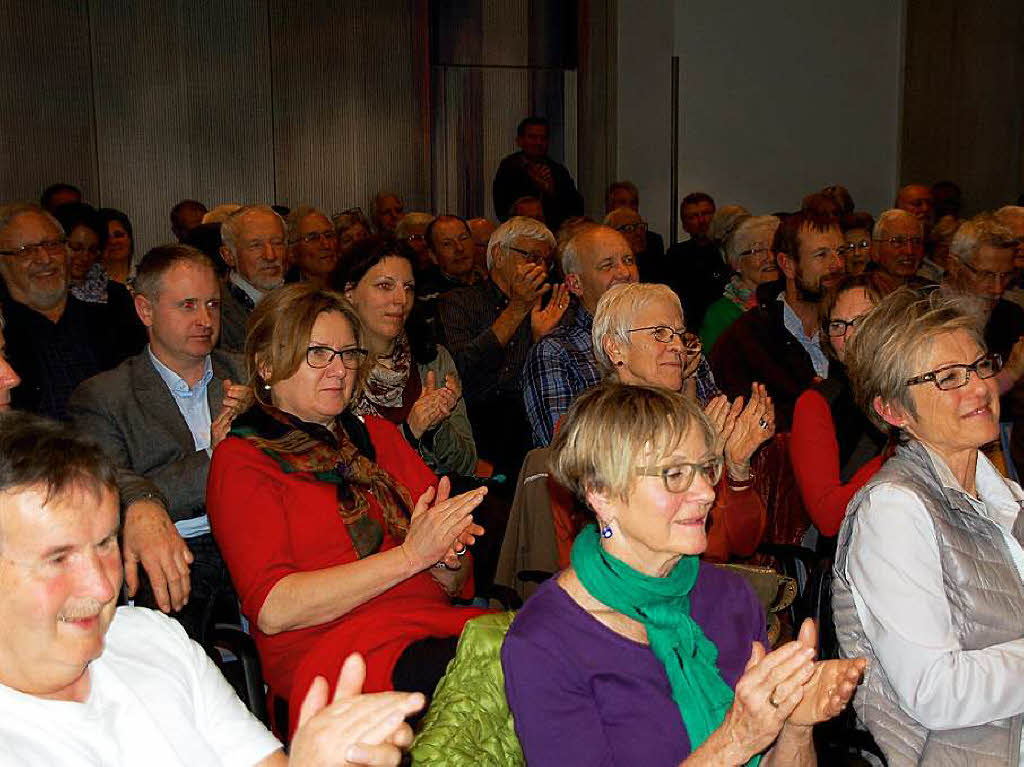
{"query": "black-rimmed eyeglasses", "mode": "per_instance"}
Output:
(837, 328)
(956, 376)
(322, 356)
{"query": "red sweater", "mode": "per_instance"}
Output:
(269, 524)
(815, 452)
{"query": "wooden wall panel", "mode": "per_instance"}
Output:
(46, 110)
(348, 93)
(182, 93)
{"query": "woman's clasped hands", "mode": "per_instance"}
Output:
(785, 688)
(442, 528)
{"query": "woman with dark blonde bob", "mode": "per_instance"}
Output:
(639, 653)
(337, 536)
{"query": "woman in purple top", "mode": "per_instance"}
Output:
(638, 653)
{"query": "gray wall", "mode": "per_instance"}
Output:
(776, 100)
(963, 113)
(144, 103)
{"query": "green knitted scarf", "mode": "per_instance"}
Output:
(662, 605)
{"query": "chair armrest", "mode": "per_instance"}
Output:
(243, 647)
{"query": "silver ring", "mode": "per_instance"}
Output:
(763, 423)
(462, 552)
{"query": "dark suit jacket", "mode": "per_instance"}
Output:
(512, 181)
(136, 421)
(235, 308)
(757, 347)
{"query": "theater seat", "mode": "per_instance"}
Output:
(469, 722)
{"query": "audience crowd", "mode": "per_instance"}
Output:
(312, 427)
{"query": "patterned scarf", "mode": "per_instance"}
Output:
(386, 383)
(744, 298)
(333, 457)
(93, 287)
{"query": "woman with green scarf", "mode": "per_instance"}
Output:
(639, 653)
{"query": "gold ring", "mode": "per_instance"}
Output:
(771, 698)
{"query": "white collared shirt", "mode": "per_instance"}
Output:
(895, 575)
(247, 287)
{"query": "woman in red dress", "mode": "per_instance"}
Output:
(338, 537)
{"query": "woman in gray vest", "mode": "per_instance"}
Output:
(929, 573)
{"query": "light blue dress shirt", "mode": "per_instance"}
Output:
(194, 408)
(810, 344)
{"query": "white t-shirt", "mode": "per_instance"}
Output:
(155, 700)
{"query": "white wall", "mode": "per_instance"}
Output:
(646, 39)
(776, 100)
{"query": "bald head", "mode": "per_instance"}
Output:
(481, 230)
(596, 258)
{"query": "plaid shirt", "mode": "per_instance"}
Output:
(707, 389)
(562, 364)
(559, 367)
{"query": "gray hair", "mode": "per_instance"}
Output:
(570, 257)
(412, 220)
(297, 216)
(615, 312)
(983, 229)
(750, 230)
(380, 197)
(725, 221)
(12, 210)
(349, 218)
(512, 230)
(229, 229)
(894, 342)
(890, 216)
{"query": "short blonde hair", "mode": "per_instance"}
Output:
(643, 423)
(279, 331)
(615, 312)
(411, 220)
(894, 342)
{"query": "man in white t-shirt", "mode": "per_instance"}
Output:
(83, 682)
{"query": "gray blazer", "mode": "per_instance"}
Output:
(234, 318)
(133, 416)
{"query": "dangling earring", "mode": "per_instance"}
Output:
(266, 387)
(606, 532)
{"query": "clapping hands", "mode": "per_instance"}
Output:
(434, 404)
